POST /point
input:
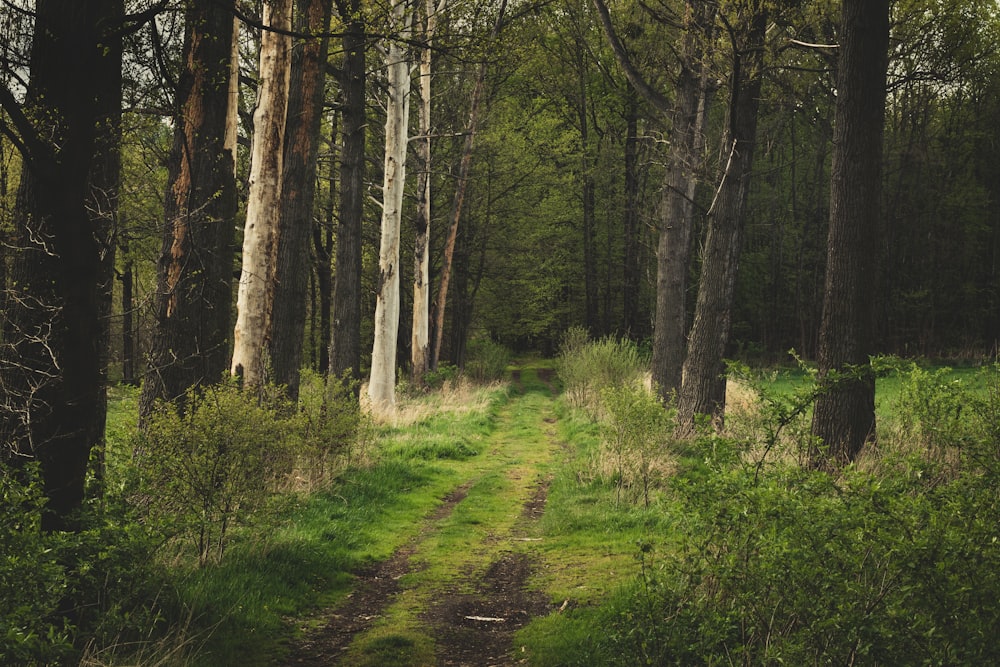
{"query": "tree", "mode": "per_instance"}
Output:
(382, 383)
(461, 186)
(703, 390)
(844, 416)
(420, 343)
(255, 299)
(298, 188)
(345, 339)
(193, 300)
(51, 362)
(686, 116)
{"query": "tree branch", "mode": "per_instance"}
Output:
(654, 97)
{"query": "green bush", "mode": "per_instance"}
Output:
(634, 431)
(62, 592)
(487, 361)
(769, 564)
(586, 368)
(214, 464)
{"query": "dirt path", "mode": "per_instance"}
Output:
(471, 615)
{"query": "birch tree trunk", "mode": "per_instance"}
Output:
(382, 383)
(255, 298)
(420, 339)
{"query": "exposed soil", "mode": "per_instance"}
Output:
(375, 589)
(469, 630)
(477, 630)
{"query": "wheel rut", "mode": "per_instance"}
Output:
(471, 616)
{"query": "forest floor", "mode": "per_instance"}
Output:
(457, 593)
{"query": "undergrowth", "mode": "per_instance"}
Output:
(756, 559)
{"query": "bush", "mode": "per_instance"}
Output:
(783, 564)
(487, 361)
(634, 431)
(586, 368)
(62, 592)
(214, 464)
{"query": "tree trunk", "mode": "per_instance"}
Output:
(844, 416)
(255, 299)
(703, 390)
(305, 109)
(193, 300)
(52, 367)
(464, 169)
(673, 254)
(420, 339)
(382, 383)
(345, 337)
(631, 265)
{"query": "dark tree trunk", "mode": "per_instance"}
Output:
(305, 108)
(704, 385)
(345, 337)
(844, 416)
(631, 267)
(191, 340)
(677, 206)
(52, 365)
(128, 327)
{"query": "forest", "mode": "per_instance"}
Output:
(656, 264)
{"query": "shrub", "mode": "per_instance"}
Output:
(62, 591)
(634, 433)
(784, 564)
(586, 368)
(214, 464)
(487, 361)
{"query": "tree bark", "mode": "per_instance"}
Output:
(345, 337)
(420, 338)
(305, 109)
(703, 390)
(255, 299)
(631, 264)
(673, 254)
(382, 382)
(52, 366)
(844, 416)
(193, 300)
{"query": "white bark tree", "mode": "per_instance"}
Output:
(382, 382)
(260, 237)
(420, 339)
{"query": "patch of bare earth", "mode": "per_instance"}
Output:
(375, 589)
(477, 629)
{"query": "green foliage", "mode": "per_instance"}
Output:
(880, 564)
(327, 430)
(64, 592)
(214, 464)
(487, 360)
(587, 367)
(634, 431)
(444, 373)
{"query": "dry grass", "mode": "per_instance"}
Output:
(454, 397)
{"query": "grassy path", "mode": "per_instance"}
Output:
(457, 591)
